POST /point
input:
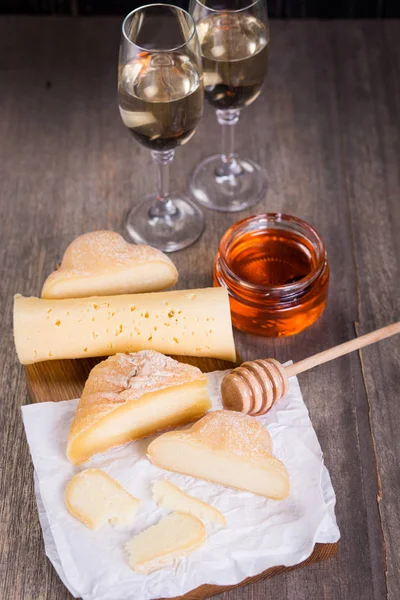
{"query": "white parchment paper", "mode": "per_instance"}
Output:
(259, 534)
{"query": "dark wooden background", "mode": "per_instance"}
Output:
(276, 8)
(327, 131)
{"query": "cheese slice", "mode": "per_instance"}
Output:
(191, 322)
(169, 496)
(174, 537)
(95, 499)
(131, 396)
(224, 447)
(102, 263)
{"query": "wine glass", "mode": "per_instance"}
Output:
(234, 39)
(161, 95)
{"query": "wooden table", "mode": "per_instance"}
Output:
(327, 131)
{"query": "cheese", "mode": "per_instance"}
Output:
(95, 498)
(131, 396)
(102, 263)
(172, 538)
(170, 497)
(191, 322)
(224, 447)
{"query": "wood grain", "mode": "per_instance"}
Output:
(373, 189)
(332, 353)
(56, 380)
(326, 129)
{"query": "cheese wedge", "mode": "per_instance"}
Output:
(170, 497)
(191, 322)
(174, 537)
(95, 499)
(102, 263)
(131, 396)
(224, 447)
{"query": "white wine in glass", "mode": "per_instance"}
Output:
(234, 40)
(161, 95)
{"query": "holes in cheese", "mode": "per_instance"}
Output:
(169, 496)
(95, 498)
(103, 263)
(131, 396)
(224, 447)
(172, 538)
(99, 326)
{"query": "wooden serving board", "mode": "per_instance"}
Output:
(64, 380)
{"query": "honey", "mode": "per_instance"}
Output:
(271, 258)
(276, 271)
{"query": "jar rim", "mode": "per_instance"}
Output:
(263, 222)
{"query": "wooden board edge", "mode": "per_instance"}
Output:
(64, 379)
(55, 380)
(319, 553)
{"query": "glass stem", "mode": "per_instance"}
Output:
(228, 119)
(164, 205)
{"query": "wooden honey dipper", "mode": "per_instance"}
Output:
(255, 386)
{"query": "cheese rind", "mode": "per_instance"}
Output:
(95, 498)
(102, 263)
(172, 538)
(188, 322)
(227, 448)
(131, 396)
(169, 496)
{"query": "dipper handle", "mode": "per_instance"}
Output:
(342, 349)
(255, 386)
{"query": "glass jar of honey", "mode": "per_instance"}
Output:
(276, 271)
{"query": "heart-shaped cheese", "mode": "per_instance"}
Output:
(102, 263)
(224, 447)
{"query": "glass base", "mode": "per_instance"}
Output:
(228, 187)
(168, 226)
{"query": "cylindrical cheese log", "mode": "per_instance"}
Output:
(188, 322)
